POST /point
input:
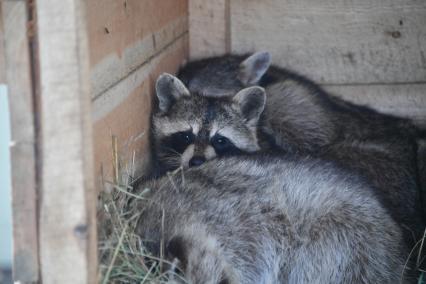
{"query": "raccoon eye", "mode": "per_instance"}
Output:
(185, 137)
(221, 144)
(222, 141)
(177, 142)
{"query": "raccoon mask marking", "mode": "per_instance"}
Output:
(189, 129)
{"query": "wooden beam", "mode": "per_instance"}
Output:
(67, 203)
(209, 32)
(24, 197)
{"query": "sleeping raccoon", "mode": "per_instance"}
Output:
(188, 128)
(263, 219)
(302, 118)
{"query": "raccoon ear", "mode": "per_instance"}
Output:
(254, 67)
(169, 89)
(250, 102)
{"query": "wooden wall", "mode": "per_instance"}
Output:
(370, 52)
(131, 42)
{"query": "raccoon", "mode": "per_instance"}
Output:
(189, 129)
(263, 219)
(300, 117)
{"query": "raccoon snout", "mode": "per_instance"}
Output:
(196, 161)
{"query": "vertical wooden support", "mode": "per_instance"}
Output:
(209, 28)
(18, 75)
(2, 55)
(67, 221)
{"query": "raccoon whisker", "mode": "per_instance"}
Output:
(170, 176)
(162, 239)
(182, 172)
(169, 158)
(177, 170)
(173, 161)
(420, 249)
(406, 264)
(172, 151)
(182, 175)
(177, 156)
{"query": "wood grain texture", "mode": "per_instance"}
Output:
(114, 25)
(336, 42)
(113, 68)
(67, 223)
(124, 111)
(2, 58)
(209, 28)
(405, 100)
(23, 165)
(124, 34)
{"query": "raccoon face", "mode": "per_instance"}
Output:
(226, 75)
(189, 128)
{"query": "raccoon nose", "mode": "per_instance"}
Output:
(196, 161)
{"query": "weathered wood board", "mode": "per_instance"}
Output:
(337, 42)
(368, 52)
(124, 34)
(209, 28)
(23, 156)
(129, 40)
(67, 224)
(2, 55)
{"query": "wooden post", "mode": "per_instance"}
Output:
(24, 197)
(67, 221)
(2, 51)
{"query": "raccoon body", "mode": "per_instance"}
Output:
(300, 117)
(262, 219)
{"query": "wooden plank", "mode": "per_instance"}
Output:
(115, 67)
(2, 58)
(208, 28)
(24, 197)
(405, 100)
(114, 25)
(125, 34)
(67, 223)
(124, 111)
(336, 42)
(108, 100)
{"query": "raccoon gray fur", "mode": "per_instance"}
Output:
(188, 128)
(302, 118)
(263, 219)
